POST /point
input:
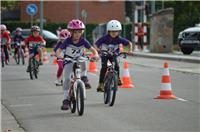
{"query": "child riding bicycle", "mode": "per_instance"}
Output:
(5, 41)
(74, 47)
(36, 41)
(17, 39)
(64, 33)
(112, 38)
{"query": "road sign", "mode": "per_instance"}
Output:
(31, 9)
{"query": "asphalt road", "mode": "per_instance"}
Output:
(35, 104)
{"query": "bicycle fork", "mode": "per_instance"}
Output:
(77, 82)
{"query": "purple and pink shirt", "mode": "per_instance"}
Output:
(107, 41)
(74, 50)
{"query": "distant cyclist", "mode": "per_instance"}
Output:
(74, 47)
(5, 41)
(17, 39)
(64, 33)
(112, 39)
(36, 40)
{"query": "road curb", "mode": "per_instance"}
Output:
(8, 121)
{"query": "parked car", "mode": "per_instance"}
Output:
(50, 37)
(189, 39)
(99, 31)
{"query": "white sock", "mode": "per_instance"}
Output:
(65, 94)
(84, 73)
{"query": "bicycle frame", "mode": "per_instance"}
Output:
(76, 79)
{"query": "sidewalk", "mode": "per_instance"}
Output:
(169, 56)
(8, 122)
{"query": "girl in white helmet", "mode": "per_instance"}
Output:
(113, 39)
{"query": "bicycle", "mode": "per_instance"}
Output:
(3, 59)
(34, 64)
(111, 78)
(19, 54)
(77, 92)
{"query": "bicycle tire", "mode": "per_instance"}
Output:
(31, 69)
(18, 57)
(35, 68)
(113, 90)
(107, 88)
(73, 105)
(80, 98)
(2, 59)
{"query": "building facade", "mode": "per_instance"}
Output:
(99, 11)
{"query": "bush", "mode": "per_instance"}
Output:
(12, 25)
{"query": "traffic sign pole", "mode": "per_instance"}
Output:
(31, 20)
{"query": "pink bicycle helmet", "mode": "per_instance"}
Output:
(75, 24)
(64, 33)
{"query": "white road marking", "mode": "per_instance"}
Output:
(21, 105)
(181, 99)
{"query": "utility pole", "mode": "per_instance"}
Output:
(77, 9)
(41, 16)
(153, 6)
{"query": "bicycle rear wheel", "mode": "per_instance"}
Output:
(80, 98)
(72, 101)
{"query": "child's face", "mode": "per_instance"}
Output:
(114, 34)
(36, 33)
(77, 34)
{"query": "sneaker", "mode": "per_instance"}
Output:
(28, 69)
(58, 83)
(100, 88)
(65, 105)
(86, 82)
(119, 82)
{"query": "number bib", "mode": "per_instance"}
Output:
(73, 51)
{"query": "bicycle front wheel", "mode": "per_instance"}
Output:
(80, 98)
(36, 68)
(110, 88)
(31, 69)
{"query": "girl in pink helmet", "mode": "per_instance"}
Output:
(64, 33)
(74, 47)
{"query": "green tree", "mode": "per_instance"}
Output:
(186, 14)
(9, 4)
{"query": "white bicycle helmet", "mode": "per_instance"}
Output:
(3, 27)
(114, 25)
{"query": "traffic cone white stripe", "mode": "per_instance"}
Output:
(166, 86)
(166, 72)
(126, 73)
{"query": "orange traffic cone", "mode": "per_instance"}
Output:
(55, 62)
(126, 78)
(46, 58)
(166, 90)
(92, 67)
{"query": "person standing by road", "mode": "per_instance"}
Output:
(140, 36)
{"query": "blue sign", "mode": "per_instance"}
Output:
(31, 9)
